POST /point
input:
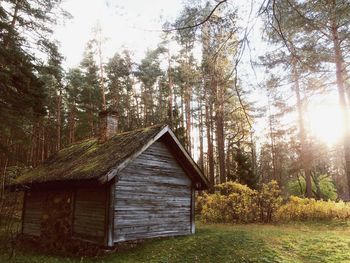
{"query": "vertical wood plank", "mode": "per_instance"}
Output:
(153, 197)
(74, 197)
(193, 199)
(106, 221)
(110, 214)
(90, 214)
(23, 210)
(33, 213)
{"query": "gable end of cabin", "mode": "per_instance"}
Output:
(154, 197)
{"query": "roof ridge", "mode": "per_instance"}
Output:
(140, 129)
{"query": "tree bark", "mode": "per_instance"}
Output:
(220, 136)
(305, 152)
(13, 23)
(210, 152)
(170, 87)
(253, 153)
(59, 103)
(42, 150)
(102, 86)
(187, 101)
(200, 128)
(273, 149)
(71, 124)
(338, 57)
(188, 118)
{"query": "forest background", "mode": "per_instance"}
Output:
(256, 92)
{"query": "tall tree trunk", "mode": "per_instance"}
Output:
(182, 119)
(71, 124)
(227, 162)
(305, 151)
(200, 130)
(170, 87)
(210, 152)
(220, 139)
(128, 110)
(146, 106)
(347, 86)
(30, 160)
(59, 103)
(136, 99)
(253, 153)
(187, 101)
(341, 93)
(188, 118)
(102, 86)
(91, 122)
(42, 150)
(151, 106)
(208, 101)
(317, 186)
(273, 148)
(2, 190)
(13, 22)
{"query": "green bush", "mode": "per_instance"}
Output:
(326, 188)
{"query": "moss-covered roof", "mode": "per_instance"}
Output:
(89, 159)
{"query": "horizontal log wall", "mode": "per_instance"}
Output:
(153, 197)
(32, 214)
(89, 213)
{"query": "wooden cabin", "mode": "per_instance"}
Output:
(133, 185)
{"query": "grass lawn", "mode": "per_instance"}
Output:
(231, 243)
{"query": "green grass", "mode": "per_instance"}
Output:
(311, 242)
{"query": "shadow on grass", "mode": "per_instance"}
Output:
(209, 244)
(295, 242)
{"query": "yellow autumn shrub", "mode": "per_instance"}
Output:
(269, 201)
(200, 201)
(232, 203)
(237, 203)
(234, 188)
(304, 209)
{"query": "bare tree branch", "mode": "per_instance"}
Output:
(197, 24)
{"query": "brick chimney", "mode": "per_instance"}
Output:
(108, 124)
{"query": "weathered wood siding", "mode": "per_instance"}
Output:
(153, 197)
(90, 213)
(32, 214)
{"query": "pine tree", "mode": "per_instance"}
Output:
(148, 73)
(73, 90)
(120, 87)
(23, 93)
(90, 99)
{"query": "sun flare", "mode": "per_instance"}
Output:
(325, 123)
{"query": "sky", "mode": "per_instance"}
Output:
(132, 24)
(136, 25)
